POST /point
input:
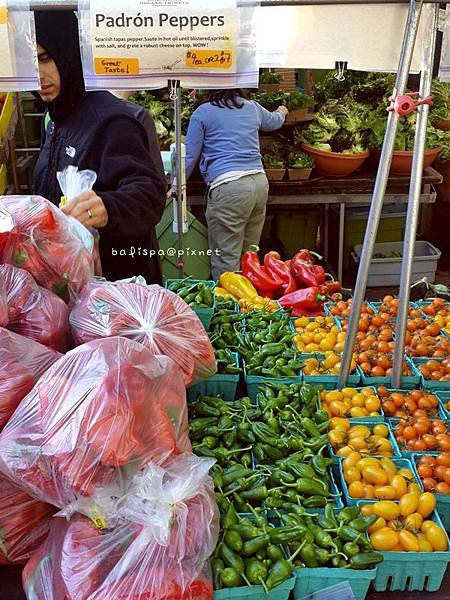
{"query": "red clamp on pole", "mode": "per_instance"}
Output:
(405, 104)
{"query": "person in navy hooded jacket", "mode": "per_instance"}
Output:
(114, 138)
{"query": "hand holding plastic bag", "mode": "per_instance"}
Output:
(73, 183)
(38, 237)
(22, 362)
(97, 416)
(33, 311)
(155, 543)
(149, 314)
(24, 524)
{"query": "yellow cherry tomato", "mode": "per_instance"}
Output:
(384, 539)
(359, 431)
(381, 429)
(352, 474)
(413, 521)
(413, 488)
(379, 524)
(425, 546)
(381, 445)
(348, 391)
(399, 484)
(336, 437)
(437, 538)
(375, 476)
(426, 526)
(369, 491)
(407, 474)
(351, 460)
(367, 509)
(408, 504)
(334, 395)
(356, 489)
(427, 503)
(388, 465)
(385, 492)
(358, 400)
(368, 462)
(373, 404)
(358, 443)
(339, 423)
(408, 541)
(357, 412)
(386, 509)
(344, 451)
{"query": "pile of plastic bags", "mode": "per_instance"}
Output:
(33, 311)
(149, 314)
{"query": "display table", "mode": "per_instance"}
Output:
(353, 190)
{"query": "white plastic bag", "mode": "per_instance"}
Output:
(154, 544)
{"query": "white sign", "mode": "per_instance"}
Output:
(6, 65)
(368, 37)
(143, 43)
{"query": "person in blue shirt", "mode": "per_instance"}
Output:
(223, 136)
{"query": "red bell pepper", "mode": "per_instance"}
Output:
(319, 272)
(279, 269)
(303, 273)
(253, 270)
(330, 287)
(307, 298)
(302, 312)
(307, 256)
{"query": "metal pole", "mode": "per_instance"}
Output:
(412, 217)
(409, 39)
(178, 194)
(72, 5)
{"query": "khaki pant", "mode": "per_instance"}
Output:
(235, 215)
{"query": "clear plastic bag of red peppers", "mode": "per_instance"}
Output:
(33, 311)
(22, 362)
(95, 418)
(24, 523)
(152, 544)
(149, 314)
(38, 237)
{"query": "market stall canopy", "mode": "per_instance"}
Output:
(368, 37)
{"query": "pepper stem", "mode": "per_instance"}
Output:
(246, 580)
(261, 580)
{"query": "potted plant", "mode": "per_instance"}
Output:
(440, 111)
(274, 167)
(300, 166)
(298, 105)
(270, 81)
(335, 137)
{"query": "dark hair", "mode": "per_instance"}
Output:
(227, 98)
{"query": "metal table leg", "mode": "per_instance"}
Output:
(412, 23)
(326, 228)
(412, 216)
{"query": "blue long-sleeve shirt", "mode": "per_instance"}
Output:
(226, 139)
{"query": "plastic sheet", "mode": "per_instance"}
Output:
(33, 311)
(22, 362)
(98, 416)
(154, 546)
(24, 524)
(3, 304)
(149, 314)
(38, 237)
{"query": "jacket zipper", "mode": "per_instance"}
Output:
(51, 161)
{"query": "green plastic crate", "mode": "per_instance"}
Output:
(442, 501)
(309, 581)
(256, 592)
(196, 238)
(370, 424)
(409, 571)
(429, 384)
(363, 420)
(204, 314)
(407, 383)
(328, 382)
(394, 421)
(296, 229)
(402, 463)
(220, 384)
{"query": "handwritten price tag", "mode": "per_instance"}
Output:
(3, 15)
(219, 59)
(116, 66)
